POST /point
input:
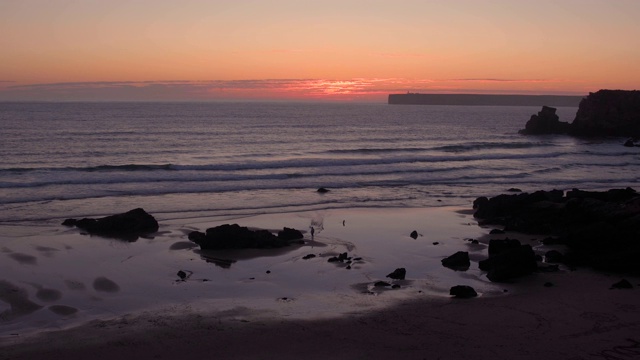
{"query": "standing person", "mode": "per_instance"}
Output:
(312, 232)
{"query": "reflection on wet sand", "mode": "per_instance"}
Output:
(62, 310)
(105, 285)
(24, 259)
(18, 300)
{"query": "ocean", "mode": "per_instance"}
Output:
(390, 170)
(62, 160)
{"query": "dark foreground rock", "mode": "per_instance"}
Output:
(127, 226)
(510, 264)
(622, 284)
(458, 261)
(398, 274)
(601, 228)
(239, 237)
(463, 292)
(603, 113)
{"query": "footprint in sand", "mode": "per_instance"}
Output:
(62, 310)
(44, 294)
(105, 285)
(46, 251)
(24, 258)
(74, 285)
(48, 295)
(18, 300)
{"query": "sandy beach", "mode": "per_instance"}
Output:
(74, 296)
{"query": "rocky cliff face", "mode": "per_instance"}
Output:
(608, 113)
(603, 113)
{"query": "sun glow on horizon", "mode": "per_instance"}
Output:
(330, 50)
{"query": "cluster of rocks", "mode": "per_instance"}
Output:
(600, 228)
(397, 274)
(603, 113)
(234, 236)
(126, 226)
(508, 259)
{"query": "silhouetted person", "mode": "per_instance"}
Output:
(312, 232)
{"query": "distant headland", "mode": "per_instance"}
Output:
(484, 99)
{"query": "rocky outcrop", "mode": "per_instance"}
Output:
(127, 226)
(601, 228)
(608, 113)
(398, 274)
(510, 264)
(546, 122)
(463, 292)
(458, 261)
(239, 237)
(603, 113)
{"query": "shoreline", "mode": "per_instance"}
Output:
(579, 318)
(282, 296)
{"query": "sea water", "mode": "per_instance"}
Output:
(244, 158)
(195, 165)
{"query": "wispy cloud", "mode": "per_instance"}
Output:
(400, 55)
(266, 89)
(499, 80)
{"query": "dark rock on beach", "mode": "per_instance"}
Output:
(510, 264)
(127, 226)
(290, 234)
(499, 246)
(239, 237)
(600, 228)
(553, 256)
(414, 234)
(322, 190)
(458, 261)
(622, 284)
(463, 292)
(398, 274)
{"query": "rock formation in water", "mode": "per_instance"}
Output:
(603, 113)
(546, 122)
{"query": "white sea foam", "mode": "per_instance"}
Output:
(274, 156)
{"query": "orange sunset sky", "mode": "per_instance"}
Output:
(353, 50)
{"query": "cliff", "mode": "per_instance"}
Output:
(603, 113)
(609, 113)
(483, 99)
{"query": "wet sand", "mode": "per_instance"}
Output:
(74, 296)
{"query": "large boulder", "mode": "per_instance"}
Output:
(498, 246)
(458, 261)
(127, 226)
(234, 236)
(463, 292)
(510, 264)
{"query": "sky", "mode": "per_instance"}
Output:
(336, 50)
